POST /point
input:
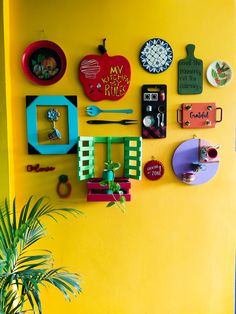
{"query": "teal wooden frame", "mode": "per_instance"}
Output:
(31, 113)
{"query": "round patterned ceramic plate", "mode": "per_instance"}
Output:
(219, 74)
(156, 55)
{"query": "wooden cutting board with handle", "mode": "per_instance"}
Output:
(190, 73)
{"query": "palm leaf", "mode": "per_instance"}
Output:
(21, 272)
(32, 294)
(10, 298)
(24, 212)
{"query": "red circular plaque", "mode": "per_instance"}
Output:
(153, 170)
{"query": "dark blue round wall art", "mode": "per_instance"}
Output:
(156, 55)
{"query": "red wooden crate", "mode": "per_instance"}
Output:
(96, 192)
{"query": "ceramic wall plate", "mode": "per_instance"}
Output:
(44, 62)
(156, 55)
(219, 73)
(148, 121)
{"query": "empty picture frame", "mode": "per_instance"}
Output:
(34, 102)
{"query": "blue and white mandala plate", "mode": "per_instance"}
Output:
(156, 55)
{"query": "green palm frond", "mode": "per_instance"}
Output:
(21, 272)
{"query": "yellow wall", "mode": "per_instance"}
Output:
(4, 152)
(173, 251)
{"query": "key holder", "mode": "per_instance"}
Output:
(53, 116)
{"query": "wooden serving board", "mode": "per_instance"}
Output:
(190, 73)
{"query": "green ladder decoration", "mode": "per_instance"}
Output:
(85, 158)
(132, 155)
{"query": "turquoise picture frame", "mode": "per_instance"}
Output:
(34, 147)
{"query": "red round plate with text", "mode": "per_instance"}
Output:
(153, 170)
(44, 62)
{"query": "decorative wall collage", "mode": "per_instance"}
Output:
(105, 77)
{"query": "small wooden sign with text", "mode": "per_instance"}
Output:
(199, 115)
(38, 168)
(190, 73)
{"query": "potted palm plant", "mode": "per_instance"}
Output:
(23, 272)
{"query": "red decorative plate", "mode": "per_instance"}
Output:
(44, 62)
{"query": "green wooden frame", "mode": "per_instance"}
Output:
(132, 155)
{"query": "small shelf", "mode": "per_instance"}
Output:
(186, 154)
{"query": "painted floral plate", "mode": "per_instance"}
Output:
(44, 62)
(156, 55)
(219, 73)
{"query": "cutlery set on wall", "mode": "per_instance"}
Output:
(94, 111)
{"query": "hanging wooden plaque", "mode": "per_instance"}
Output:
(199, 115)
(104, 77)
(190, 73)
(153, 169)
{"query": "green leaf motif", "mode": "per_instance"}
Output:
(103, 182)
(217, 65)
(116, 187)
(41, 57)
(225, 69)
(213, 73)
(223, 82)
(110, 204)
(222, 75)
(122, 199)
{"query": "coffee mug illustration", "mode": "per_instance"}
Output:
(197, 166)
(188, 177)
(209, 153)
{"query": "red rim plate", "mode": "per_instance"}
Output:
(53, 51)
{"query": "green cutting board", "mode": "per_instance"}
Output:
(190, 73)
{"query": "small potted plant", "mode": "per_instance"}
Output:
(108, 174)
(108, 179)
